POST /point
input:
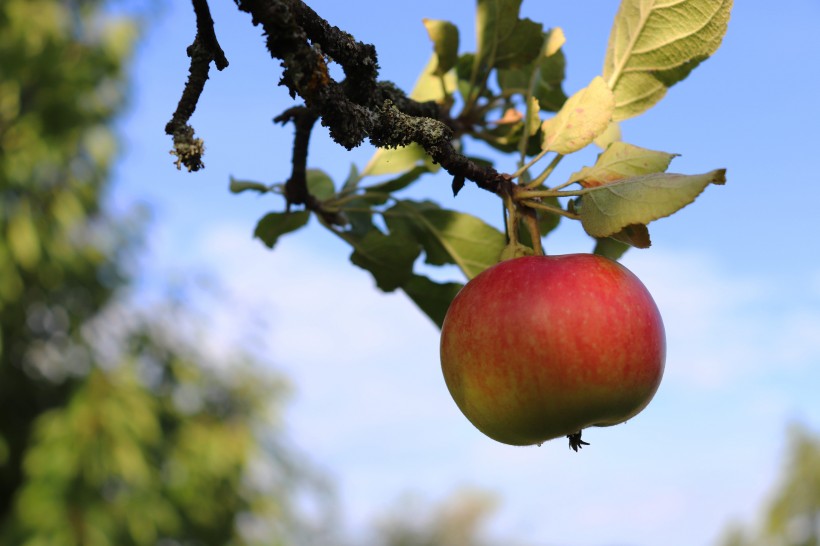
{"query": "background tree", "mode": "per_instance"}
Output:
(459, 519)
(117, 425)
(792, 517)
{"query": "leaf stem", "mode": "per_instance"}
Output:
(530, 163)
(555, 210)
(547, 172)
(527, 194)
(563, 185)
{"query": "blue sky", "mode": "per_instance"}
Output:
(736, 276)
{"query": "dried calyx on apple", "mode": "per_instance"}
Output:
(542, 347)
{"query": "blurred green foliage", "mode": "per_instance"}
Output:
(460, 519)
(116, 428)
(792, 515)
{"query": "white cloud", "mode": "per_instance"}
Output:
(725, 326)
(371, 406)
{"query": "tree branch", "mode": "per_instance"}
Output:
(204, 49)
(359, 108)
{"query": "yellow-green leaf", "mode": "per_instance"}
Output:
(583, 117)
(444, 36)
(398, 160)
(621, 160)
(431, 86)
(656, 43)
(608, 209)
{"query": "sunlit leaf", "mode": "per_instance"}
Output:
(606, 210)
(611, 134)
(431, 86)
(444, 36)
(448, 237)
(653, 45)
(582, 118)
(398, 160)
(621, 160)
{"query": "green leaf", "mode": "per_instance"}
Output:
(359, 215)
(431, 297)
(432, 86)
(610, 248)
(23, 240)
(504, 40)
(448, 237)
(653, 45)
(238, 186)
(275, 224)
(636, 235)
(398, 160)
(444, 36)
(583, 117)
(606, 210)
(352, 180)
(400, 182)
(546, 74)
(611, 134)
(621, 160)
(320, 185)
(389, 258)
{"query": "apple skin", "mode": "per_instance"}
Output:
(541, 347)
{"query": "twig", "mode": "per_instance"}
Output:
(204, 49)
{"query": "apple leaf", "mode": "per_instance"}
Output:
(611, 134)
(610, 248)
(621, 160)
(319, 184)
(606, 210)
(432, 298)
(654, 45)
(636, 235)
(504, 40)
(398, 160)
(447, 236)
(545, 75)
(584, 116)
(275, 224)
(444, 36)
(389, 258)
(433, 86)
(238, 186)
(400, 182)
(352, 180)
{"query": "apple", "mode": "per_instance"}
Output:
(542, 347)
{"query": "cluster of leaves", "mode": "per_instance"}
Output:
(509, 94)
(113, 429)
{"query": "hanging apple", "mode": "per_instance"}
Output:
(542, 347)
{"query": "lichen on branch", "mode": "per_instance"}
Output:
(354, 110)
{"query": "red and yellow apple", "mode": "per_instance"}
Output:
(541, 347)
